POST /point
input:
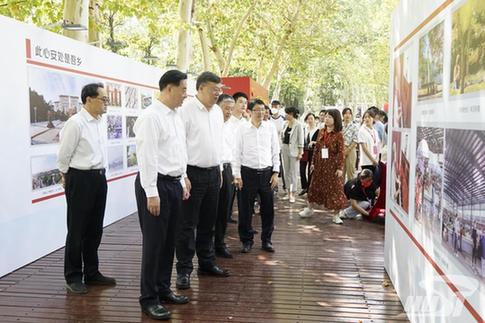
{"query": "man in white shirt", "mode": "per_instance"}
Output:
(236, 120)
(203, 122)
(226, 194)
(160, 188)
(255, 165)
(81, 161)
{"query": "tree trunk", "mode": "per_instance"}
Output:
(235, 38)
(281, 45)
(94, 23)
(76, 12)
(205, 48)
(214, 48)
(184, 43)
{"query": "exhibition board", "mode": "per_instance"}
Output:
(435, 223)
(40, 88)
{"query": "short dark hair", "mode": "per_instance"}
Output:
(275, 102)
(255, 102)
(345, 110)
(337, 119)
(383, 114)
(171, 77)
(238, 95)
(90, 90)
(293, 111)
(323, 110)
(207, 77)
(224, 97)
(374, 108)
(310, 114)
(365, 174)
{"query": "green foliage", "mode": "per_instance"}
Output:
(325, 52)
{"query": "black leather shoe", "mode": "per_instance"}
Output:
(173, 298)
(100, 279)
(252, 231)
(267, 246)
(156, 312)
(231, 220)
(183, 281)
(303, 192)
(77, 288)
(223, 252)
(213, 271)
(246, 247)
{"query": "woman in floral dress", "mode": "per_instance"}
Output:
(326, 187)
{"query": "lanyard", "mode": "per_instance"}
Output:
(372, 134)
(325, 137)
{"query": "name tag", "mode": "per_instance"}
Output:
(324, 153)
(375, 150)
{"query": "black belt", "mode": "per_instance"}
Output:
(203, 168)
(100, 171)
(169, 178)
(258, 170)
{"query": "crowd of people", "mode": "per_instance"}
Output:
(197, 156)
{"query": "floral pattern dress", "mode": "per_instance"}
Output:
(326, 188)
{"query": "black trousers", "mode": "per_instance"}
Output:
(158, 238)
(256, 182)
(226, 195)
(199, 214)
(303, 174)
(86, 192)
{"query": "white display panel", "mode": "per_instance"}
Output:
(435, 224)
(40, 87)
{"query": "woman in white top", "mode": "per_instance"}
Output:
(368, 143)
(291, 150)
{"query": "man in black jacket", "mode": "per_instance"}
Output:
(361, 192)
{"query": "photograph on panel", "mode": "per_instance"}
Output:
(114, 126)
(400, 170)
(131, 160)
(131, 97)
(130, 123)
(146, 98)
(430, 81)
(115, 158)
(44, 172)
(403, 95)
(114, 94)
(467, 48)
(463, 228)
(429, 178)
(53, 98)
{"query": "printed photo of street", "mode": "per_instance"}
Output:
(53, 98)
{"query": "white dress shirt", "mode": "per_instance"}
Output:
(82, 143)
(160, 145)
(228, 142)
(236, 123)
(204, 131)
(256, 148)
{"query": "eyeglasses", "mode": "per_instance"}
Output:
(104, 99)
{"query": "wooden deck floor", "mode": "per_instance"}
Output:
(320, 272)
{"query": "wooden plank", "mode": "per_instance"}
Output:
(320, 272)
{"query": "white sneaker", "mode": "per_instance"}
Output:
(285, 198)
(292, 199)
(358, 217)
(342, 215)
(336, 219)
(306, 213)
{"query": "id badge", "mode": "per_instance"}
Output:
(375, 150)
(324, 153)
